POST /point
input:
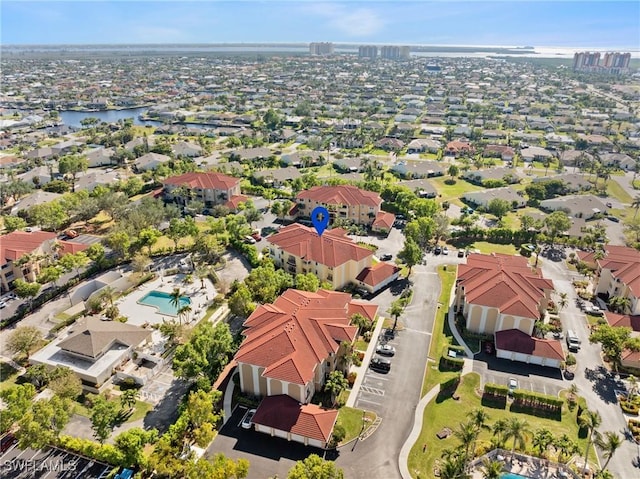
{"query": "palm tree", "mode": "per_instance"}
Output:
(183, 312)
(467, 432)
(499, 428)
(395, 311)
(565, 447)
(491, 469)
(542, 439)
(202, 272)
(517, 430)
(635, 204)
(176, 296)
(620, 304)
(590, 420)
(452, 466)
(609, 445)
(129, 398)
(479, 418)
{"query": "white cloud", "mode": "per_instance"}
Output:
(350, 20)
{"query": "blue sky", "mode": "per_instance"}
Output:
(596, 24)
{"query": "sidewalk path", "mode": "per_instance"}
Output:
(362, 369)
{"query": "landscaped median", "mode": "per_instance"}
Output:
(354, 421)
(445, 412)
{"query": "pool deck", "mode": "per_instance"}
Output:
(140, 314)
(525, 466)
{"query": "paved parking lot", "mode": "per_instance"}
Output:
(534, 378)
(376, 385)
(268, 456)
(51, 463)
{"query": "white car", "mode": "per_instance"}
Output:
(385, 350)
(247, 420)
(2, 304)
(513, 385)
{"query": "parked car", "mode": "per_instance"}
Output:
(386, 257)
(460, 253)
(513, 385)
(385, 350)
(7, 441)
(388, 334)
(247, 420)
(380, 364)
(445, 251)
(3, 304)
(437, 250)
(256, 236)
(249, 240)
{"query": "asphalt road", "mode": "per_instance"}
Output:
(594, 382)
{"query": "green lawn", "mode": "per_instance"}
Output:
(354, 420)
(8, 376)
(454, 191)
(446, 412)
(140, 411)
(614, 189)
(487, 248)
(441, 334)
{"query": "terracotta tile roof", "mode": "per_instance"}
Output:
(630, 356)
(290, 337)
(286, 414)
(622, 261)
(332, 249)
(16, 244)
(623, 320)
(376, 274)
(383, 220)
(341, 195)
(235, 201)
(203, 181)
(519, 342)
(504, 282)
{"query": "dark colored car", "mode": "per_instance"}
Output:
(380, 364)
(386, 257)
(460, 253)
(437, 250)
(7, 441)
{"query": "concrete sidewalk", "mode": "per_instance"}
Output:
(362, 369)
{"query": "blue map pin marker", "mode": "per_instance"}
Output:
(320, 219)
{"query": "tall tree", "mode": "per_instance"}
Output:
(410, 254)
(314, 467)
(609, 444)
(103, 417)
(589, 420)
(72, 164)
(517, 430)
(23, 340)
(131, 444)
(335, 384)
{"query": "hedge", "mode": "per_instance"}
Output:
(496, 389)
(537, 400)
(85, 447)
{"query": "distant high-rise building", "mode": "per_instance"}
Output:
(612, 62)
(321, 48)
(391, 52)
(368, 51)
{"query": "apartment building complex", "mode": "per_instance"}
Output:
(22, 255)
(210, 188)
(321, 48)
(343, 202)
(611, 62)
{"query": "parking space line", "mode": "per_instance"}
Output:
(368, 400)
(369, 389)
(376, 378)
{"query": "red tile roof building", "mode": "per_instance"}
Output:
(343, 201)
(376, 277)
(618, 273)
(291, 345)
(383, 222)
(515, 345)
(210, 188)
(332, 257)
(17, 244)
(498, 292)
(283, 416)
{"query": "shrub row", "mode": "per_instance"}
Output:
(85, 447)
(496, 389)
(537, 400)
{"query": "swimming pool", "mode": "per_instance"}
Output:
(162, 302)
(513, 475)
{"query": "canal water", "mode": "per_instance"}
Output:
(73, 118)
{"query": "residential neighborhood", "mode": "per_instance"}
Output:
(169, 306)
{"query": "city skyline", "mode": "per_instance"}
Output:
(569, 24)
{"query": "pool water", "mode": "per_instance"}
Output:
(162, 301)
(512, 475)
